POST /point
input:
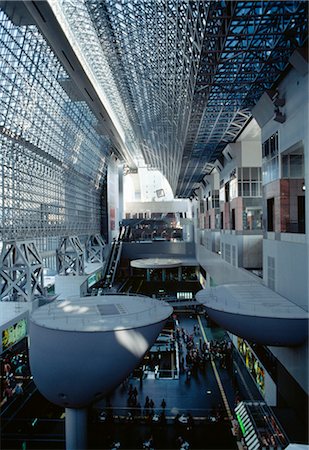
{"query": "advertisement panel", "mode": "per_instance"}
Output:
(202, 280)
(252, 364)
(13, 334)
(94, 278)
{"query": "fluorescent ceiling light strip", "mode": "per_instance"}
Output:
(56, 6)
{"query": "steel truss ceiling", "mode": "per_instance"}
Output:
(186, 74)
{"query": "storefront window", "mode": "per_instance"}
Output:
(249, 182)
(270, 163)
(253, 218)
(246, 190)
(292, 166)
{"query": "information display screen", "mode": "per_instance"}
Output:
(184, 295)
(94, 278)
(13, 334)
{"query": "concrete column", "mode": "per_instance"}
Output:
(207, 280)
(163, 274)
(76, 428)
(179, 273)
(148, 274)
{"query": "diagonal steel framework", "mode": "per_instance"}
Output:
(256, 42)
(70, 256)
(185, 74)
(180, 77)
(21, 271)
(95, 246)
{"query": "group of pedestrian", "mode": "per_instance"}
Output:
(183, 444)
(193, 357)
(149, 405)
(132, 401)
(198, 353)
(221, 351)
(15, 370)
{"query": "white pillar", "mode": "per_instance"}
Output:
(76, 428)
(179, 273)
(163, 274)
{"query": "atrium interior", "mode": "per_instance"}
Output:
(154, 244)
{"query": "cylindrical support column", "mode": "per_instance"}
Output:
(179, 274)
(147, 274)
(208, 280)
(75, 428)
(163, 274)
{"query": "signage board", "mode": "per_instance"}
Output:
(13, 334)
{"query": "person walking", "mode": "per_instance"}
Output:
(151, 405)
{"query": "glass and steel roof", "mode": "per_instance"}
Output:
(182, 76)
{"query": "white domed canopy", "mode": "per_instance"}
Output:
(83, 348)
(101, 313)
(256, 313)
(156, 263)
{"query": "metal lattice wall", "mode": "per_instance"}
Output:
(52, 159)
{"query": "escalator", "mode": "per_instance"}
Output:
(112, 264)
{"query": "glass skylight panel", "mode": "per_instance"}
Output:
(177, 77)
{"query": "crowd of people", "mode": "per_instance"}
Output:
(194, 353)
(148, 409)
(14, 372)
(198, 352)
